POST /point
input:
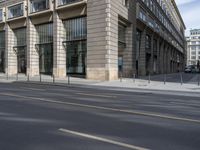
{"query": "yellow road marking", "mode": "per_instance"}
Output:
(104, 108)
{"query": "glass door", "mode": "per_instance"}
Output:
(46, 58)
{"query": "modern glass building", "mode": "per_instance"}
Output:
(96, 39)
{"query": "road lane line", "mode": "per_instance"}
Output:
(96, 95)
(148, 114)
(88, 136)
(34, 89)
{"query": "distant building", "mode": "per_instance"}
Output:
(193, 47)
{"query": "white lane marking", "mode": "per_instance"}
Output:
(67, 95)
(34, 89)
(104, 108)
(96, 95)
(102, 139)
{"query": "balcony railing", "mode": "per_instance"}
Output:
(67, 2)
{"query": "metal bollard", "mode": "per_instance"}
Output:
(149, 81)
(16, 76)
(53, 78)
(40, 77)
(165, 79)
(7, 76)
(181, 76)
(28, 79)
(120, 76)
(68, 76)
(134, 78)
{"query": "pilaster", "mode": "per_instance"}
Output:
(142, 55)
(59, 54)
(11, 56)
(32, 49)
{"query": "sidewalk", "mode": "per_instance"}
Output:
(153, 85)
(172, 82)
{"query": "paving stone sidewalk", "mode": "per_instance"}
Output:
(173, 82)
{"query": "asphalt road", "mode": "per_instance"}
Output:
(43, 117)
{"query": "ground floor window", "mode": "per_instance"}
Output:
(76, 45)
(46, 58)
(2, 60)
(21, 59)
(2, 51)
(76, 57)
(20, 49)
(45, 48)
(121, 45)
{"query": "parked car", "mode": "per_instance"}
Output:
(190, 69)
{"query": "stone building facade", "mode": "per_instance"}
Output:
(100, 39)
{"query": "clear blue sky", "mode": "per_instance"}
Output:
(190, 11)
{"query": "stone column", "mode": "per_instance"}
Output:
(158, 56)
(102, 40)
(152, 55)
(59, 53)
(142, 55)
(161, 58)
(11, 56)
(32, 49)
(165, 59)
(168, 59)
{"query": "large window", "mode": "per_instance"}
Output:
(76, 55)
(20, 37)
(65, 2)
(38, 5)
(2, 39)
(20, 48)
(16, 11)
(76, 45)
(148, 42)
(1, 15)
(142, 15)
(2, 51)
(121, 44)
(122, 34)
(45, 33)
(45, 47)
(76, 29)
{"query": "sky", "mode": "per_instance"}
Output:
(190, 11)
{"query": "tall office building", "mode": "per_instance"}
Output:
(94, 38)
(193, 47)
